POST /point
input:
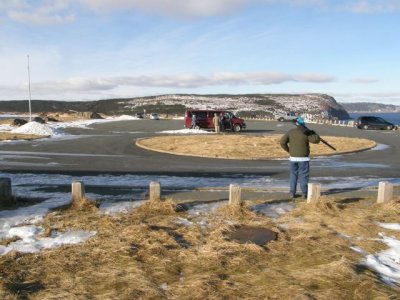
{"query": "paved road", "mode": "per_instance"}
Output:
(110, 148)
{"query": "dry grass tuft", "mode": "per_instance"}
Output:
(85, 205)
(157, 208)
(236, 212)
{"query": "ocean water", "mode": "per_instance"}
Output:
(390, 117)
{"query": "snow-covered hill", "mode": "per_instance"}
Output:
(318, 105)
(263, 104)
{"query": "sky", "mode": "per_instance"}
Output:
(100, 49)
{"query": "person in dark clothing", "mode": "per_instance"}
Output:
(222, 121)
(297, 143)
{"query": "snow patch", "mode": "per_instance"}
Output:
(31, 243)
(123, 117)
(380, 147)
(205, 208)
(36, 129)
(184, 222)
(113, 208)
(274, 210)
(386, 263)
(392, 226)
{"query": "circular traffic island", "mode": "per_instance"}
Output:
(245, 147)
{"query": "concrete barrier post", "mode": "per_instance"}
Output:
(6, 196)
(155, 191)
(385, 192)
(314, 192)
(78, 197)
(235, 194)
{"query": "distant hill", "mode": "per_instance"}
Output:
(243, 105)
(368, 107)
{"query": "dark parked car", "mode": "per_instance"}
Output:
(139, 115)
(371, 122)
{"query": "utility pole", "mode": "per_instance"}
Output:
(29, 89)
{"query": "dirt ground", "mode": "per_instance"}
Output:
(245, 146)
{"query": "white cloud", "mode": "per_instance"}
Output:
(170, 7)
(255, 78)
(74, 85)
(175, 81)
(314, 78)
(39, 18)
(372, 6)
(41, 12)
(187, 8)
(364, 80)
(98, 85)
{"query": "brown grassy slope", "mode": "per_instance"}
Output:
(244, 146)
(146, 254)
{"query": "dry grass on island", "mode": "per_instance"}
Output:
(149, 254)
(245, 146)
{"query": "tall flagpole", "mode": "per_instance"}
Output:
(29, 88)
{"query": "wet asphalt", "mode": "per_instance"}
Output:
(110, 148)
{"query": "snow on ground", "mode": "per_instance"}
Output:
(83, 124)
(55, 128)
(123, 117)
(5, 127)
(31, 242)
(37, 129)
(112, 208)
(23, 223)
(205, 208)
(379, 147)
(274, 210)
(392, 226)
(387, 262)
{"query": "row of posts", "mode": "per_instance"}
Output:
(385, 193)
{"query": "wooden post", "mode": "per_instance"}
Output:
(155, 191)
(78, 197)
(6, 196)
(385, 192)
(314, 192)
(235, 195)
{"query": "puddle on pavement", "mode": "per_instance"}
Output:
(251, 234)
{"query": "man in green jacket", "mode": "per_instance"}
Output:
(297, 143)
